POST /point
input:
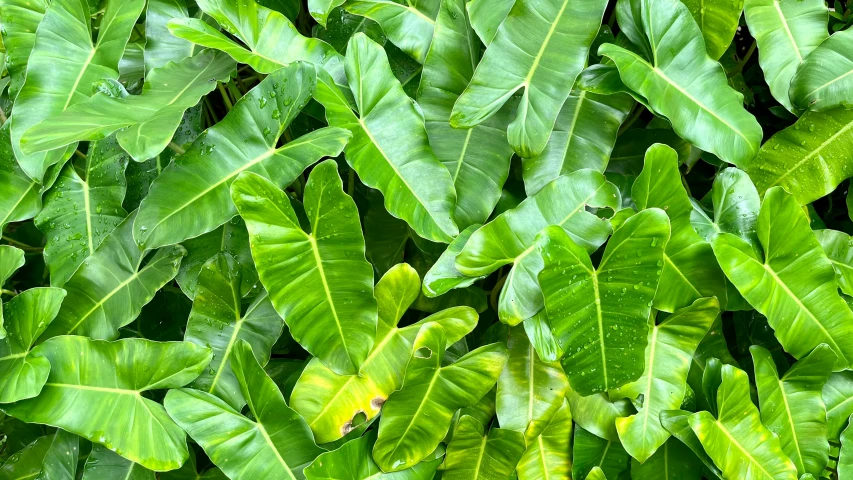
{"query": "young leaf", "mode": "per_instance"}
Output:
(736, 205)
(837, 246)
(837, 395)
(822, 81)
(409, 26)
(475, 454)
(549, 453)
(718, 21)
(11, 259)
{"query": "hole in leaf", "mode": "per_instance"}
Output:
(423, 352)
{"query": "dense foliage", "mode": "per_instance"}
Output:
(458, 239)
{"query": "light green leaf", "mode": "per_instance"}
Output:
(74, 233)
(319, 282)
(822, 80)
(111, 287)
(20, 195)
(218, 321)
(549, 454)
(330, 403)
(786, 33)
(103, 464)
(672, 460)
(718, 21)
(664, 381)
(408, 25)
(443, 276)
(19, 37)
(736, 205)
(145, 123)
(590, 451)
(276, 444)
(845, 459)
(677, 422)
(11, 259)
(161, 47)
(541, 47)
(737, 441)
(95, 390)
(487, 15)
(539, 332)
(60, 461)
(57, 81)
(600, 315)
(794, 285)
(837, 395)
(389, 149)
(683, 84)
(320, 9)
(792, 407)
(475, 454)
(837, 246)
(478, 158)
(416, 418)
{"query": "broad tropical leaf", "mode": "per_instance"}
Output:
(590, 452)
(409, 25)
(474, 453)
(161, 47)
(11, 259)
(837, 395)
(19, 37)
(60, 461)
(103, 463)
(845, 459)
(549, 453)
(597, 414)
(27, 462)
(443, 276)
(837, 246)
(822, 80)
(736, 205)
(718, 21)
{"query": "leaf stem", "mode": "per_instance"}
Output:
(351, 182)
(639, 108)
(225, 97)
(21, 245)
(8, 292)
(177, 148)
(746, 57)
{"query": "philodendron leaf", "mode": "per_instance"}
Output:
(590, 451)
(319, 281)
(541, 47)
(680, 81)
(672, 460)
(11, 259)
(837, 395)
(549, 453)
(478, 158)
(275, 444)
(95, 390)
(664, 382)
(718, 21)
(389, 148)
(737, 441)
(23, 373)
(785, 33)
(443, 276)
(845, 458)
(103, 463)
(161, 47)
(474, 453)
(20, 195)
(598, 414)
(19, 37)
(73, 234)
(409, 26)
(60, 461)
(600, 315)
(794, 284)
(510, 238)
(145, 123)
(677, 422)
(218, 321)
(792, 407)
(111, 287)
(27, 462)
(809, 159)
(416, 417)
(736, 205)
(822, 80)
(689, 269)
(191, 196)
(330, 403)
(837, 246)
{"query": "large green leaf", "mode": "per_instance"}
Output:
(19, 37)
(680, 81)
(191, 196)
(409, 25)
(487, 15)
(478, 158)
(113, 284)
(330, 403)
(161, 47)
(74, 233)
(736, 440)
(718, 20)
(95, 390)
(474, 453)
(600, 315)
(541, 47)
(837, 246)
(22, 373)
(809, 159)
(102, 463)
(785, 33)
(416, 418)
(218, 321)
(145, 123)
(55, 81)
(390, 150)
(822, 80)
(319, 281)
(549, 454)
(664, 381)
(275, 444)
(530, 391)
(837, 395)
(689, 271)
(510, 238)
(794, 284)
(792, 407)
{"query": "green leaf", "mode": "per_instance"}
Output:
(672, 460)
(95, 390)
(736, 205)
(60, 461)
(737, 441)
(389, 148)
(161, 47)
(320, 9)
(113, 284)
(809, 159)
(475, 454)
(677, 422)
(549, 453)
(56, 82)
(319, 282)
(510, 238)
(330, 403)
(590, 451)
(689, 269)
(597, 414)
(74, 233)
(792, 407)
(683, 84)
(145, 123)
(540, 335)
(409, 26)
(189, 471)
(718, 21)
(443, 276)
(11, 259)
(22, 372)
(845, 459)
(103, 463)
(26, 463)
(837, 395)
(596, 473)
(191, 196)
(276, 444)
(416, 418)
(478, 158)
(786, 33)
(19, 37)
(821, 81)
(837, 246)
(600, 315)
(664, 382)
(218, 321)
(530, 391)
(20, 195)
(541, 47)
(794, 285)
